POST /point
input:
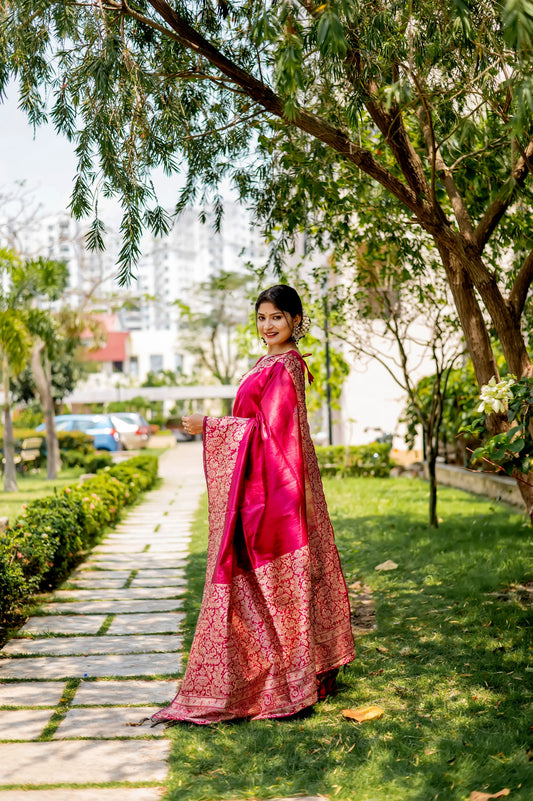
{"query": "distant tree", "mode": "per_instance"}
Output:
(404, 326)
(210, 328)
(15, 349)
(161, 378)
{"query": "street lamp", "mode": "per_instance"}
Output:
(328, 363)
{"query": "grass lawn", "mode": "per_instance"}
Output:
(451, 663)
(36, 485)
(32, 486)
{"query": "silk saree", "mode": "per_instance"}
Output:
(275, 611)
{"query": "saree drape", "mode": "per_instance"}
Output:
(275, 610)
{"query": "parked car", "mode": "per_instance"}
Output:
(133, 429)
(98, 426)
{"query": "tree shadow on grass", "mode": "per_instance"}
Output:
(449, 663)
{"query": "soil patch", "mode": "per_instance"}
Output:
(363, 613)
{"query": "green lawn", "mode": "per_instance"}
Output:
(451, 663)
(36, 485)
(32, 486)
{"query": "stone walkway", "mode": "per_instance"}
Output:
(102, 654)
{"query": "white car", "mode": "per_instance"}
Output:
(133, 429)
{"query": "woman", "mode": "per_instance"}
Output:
(274, 626)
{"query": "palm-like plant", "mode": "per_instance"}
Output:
(15, 347)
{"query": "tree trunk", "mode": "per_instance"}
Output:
(471, 318)
(479, 347)
(525, 485)
(43, 381)
(10, 473)
(432, 476)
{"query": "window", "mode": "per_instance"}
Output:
(134, 365)
(118, 367)
(156, 362)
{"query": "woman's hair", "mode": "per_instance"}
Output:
(284, 298)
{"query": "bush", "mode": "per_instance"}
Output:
(48, 539)
(91, 462)
(74, 441)
(355, 460)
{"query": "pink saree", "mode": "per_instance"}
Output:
(275, 610)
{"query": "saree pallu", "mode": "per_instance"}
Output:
(275, 609)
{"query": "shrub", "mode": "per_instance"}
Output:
(48, 539)
(355, 460)
(91, 462)
(75, 441)
(14, 587)
(51, 530)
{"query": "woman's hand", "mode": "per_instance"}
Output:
(193, 424)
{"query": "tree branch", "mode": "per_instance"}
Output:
(438, 165)
(180, 30)
(505, 197)
(521, 286)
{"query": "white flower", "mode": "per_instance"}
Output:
(495, 397)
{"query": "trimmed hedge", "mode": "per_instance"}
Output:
(76, 448)
(355, 460)
(44, 543)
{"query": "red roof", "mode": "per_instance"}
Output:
(114, 349)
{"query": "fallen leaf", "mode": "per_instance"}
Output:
(363, 713)
(477, 796)
(388, 565)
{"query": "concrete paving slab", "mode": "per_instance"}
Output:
(85, 572)
(96, 582)
(121, 547)
(27, 693)
(96, 794)
(132, 691)
(73, 646)
(177, 569)
(24, 724)
(146, 623)
(83, 762)
(162, 547)
(106, 724)
(153, 563)
(130, 594)
(111, 606)
(65, 624)
(142, 581)
(42, 667)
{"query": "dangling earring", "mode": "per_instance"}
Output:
(301, 328)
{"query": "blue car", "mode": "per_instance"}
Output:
(98, 426)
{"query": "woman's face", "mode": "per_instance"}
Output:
(275, 326)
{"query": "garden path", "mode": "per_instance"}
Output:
(101, 654)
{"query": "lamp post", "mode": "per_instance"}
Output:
(328, 364)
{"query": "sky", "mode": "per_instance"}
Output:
(46, 162)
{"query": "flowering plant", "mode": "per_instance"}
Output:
(495, 397)
(510, 450)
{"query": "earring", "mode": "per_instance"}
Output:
(301, 328)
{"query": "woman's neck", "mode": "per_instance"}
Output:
(277, 350)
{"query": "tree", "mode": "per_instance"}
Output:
(459, 410)
(430, 103)
(15, 347)
(213, 324)
(403, 325)
(42, 281)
